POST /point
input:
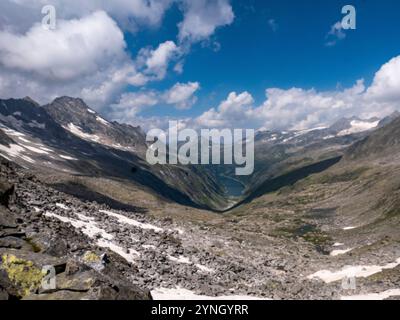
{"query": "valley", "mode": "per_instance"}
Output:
(234, 188)
(320, 209)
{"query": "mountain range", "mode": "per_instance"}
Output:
(319, 200)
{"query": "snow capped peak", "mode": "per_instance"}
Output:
(357, 126)
(101, 120)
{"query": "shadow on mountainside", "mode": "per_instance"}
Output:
(85, 194)
(290, 178)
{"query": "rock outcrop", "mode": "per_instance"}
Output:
(34, 251)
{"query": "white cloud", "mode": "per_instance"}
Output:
(86, 55)
(178, 68)
(155, 62)
(335, 34)
(159, 58)
(100, 90)
(83, 57)
(21, 14)
(234, 111)
(386, 84)
(298, 108)
(75, 48)
(82, 47)
(302, 109)
(182, 95)
(203, 17)
(131, 104)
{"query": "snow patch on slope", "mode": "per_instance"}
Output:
(15, 151)
(68, 158)
(36, 150)
(101, 120)
(126, 220)
(335, 253)
(88, 226)
(358, 126)
(351, 271)
(77, 131)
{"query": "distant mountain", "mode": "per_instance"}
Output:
(26, 115)
(281, 153)
(389, 119)
(353, 125)
(384, 142)
(67, 137)
(342, 127)
(75, 116)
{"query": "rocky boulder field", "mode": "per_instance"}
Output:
(29, 242)
(98, 252)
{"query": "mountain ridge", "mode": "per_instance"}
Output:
(40, 131)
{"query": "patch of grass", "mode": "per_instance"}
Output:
(318, 238)
(308, 232)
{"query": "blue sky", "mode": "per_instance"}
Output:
(253, 56)
(231, 53)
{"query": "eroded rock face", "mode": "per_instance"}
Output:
(30, 246)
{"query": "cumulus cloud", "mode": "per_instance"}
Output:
(131, 14)
(131, 104)
(302, 109)
(386, 83)
(294, 108)
(86, 55)
(75, 48)
(150, 65)
(234, 111)
(155, 62)
(83, 57)
(287, 109)
(298, 108)
(203, 17)
(182, 95)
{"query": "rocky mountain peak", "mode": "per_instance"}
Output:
(74, 115)
(383, 142)
(70, 101)
(66, 110)
(30, 100)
